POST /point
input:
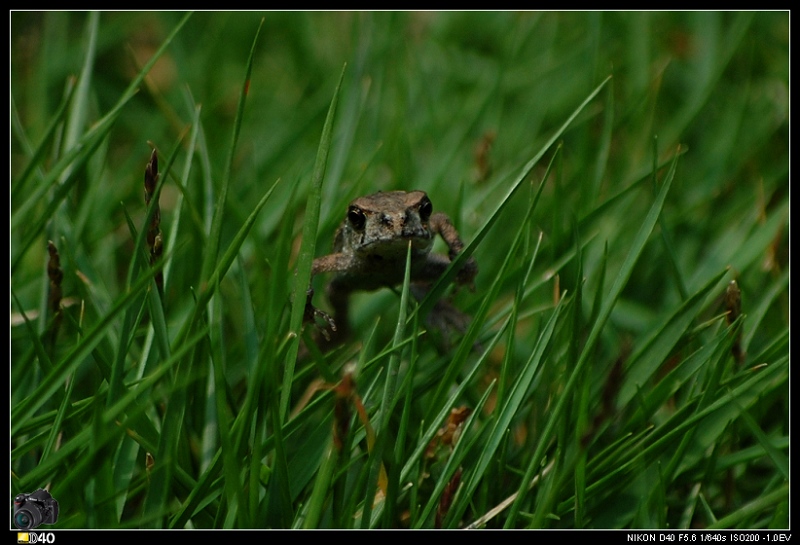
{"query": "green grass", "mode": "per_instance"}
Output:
(607, 384)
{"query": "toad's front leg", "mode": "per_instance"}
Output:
(311, 313)
(440, 223)
(336, 329)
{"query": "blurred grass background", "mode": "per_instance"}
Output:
(454, 104)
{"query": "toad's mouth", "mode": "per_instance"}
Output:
(396, 245)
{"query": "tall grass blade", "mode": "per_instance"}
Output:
(307, 246)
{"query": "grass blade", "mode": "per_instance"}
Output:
(307, 246)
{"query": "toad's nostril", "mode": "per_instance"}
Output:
(386, 219)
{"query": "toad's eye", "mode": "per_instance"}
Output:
(356, 218)
(425, 209)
